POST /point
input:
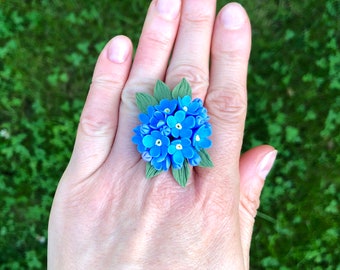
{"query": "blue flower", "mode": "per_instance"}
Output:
(195, 160)
(180, 125)
(161, 164)
(167, 106)
(179, 150)
(191, 107)
(173, 132)
(157, 120)
(157, 143)
(200, 138)
(145, 117)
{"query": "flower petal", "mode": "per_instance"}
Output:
(180, 116)
(189, 122)
(185, 142)
(205, 143)
(171, 121)
(185, 133)
(188, 152)
(155, 151)
(172, 149)
(149, 141)
(178, 158)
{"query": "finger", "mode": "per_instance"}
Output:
(191, 54)
(150, 63)
(254, 168)
(98, 121)
(226, 98)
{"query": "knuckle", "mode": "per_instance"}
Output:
(93, 126)
(227, 104)
(107, 81)
(128, 96)
(159, 40)
(249, 204)
(200, 20)
(197, 77)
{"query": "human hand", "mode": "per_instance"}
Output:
(106, 214)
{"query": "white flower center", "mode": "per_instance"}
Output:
(166, 110)
(158, 142)
(179, 146)
(178, 126)
(197, 138)
(185, 108)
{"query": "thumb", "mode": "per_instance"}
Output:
(255, 165)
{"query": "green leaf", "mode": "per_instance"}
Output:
(162, 91)
(150, 171)
(182, 175)
(145, 100)
(205, 159)
(182, 89)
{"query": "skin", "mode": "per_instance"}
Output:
(105, 214)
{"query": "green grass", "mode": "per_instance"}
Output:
(47, 53)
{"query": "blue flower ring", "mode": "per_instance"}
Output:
(174, 131)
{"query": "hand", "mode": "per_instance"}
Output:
(106, 214)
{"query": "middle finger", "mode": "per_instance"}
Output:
(191, 53)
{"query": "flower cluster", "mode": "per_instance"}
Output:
(172, 132)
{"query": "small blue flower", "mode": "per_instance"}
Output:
(202, 117)
(161, 163)
(157, 120)
(180, 125)
(179, 150)
(191, 107)
(157, 143)
(195, 160)
(145, 117)
(167, 106)
(200, 138)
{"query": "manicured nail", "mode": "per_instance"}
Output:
(233, 16)
(118, 50)
(266, 164)
(169, 8)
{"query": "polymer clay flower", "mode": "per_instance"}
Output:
(156, 143)
(174, 131)
(181, 125)
(180, 150)
(201, 139)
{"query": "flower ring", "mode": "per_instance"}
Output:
(174, 131)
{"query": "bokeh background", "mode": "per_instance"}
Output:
(47, 53)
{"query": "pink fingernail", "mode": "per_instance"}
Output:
(118, 50)
(233, 16)
(169, 8)
(266, 164)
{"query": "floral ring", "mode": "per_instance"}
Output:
(174, 131)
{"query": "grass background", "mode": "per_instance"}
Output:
(47, 53)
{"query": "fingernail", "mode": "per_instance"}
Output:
(169, 8)
(118, 50)
(266, 164)
(233, 16)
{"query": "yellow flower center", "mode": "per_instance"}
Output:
(179, 146)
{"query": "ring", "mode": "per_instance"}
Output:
(173, 132)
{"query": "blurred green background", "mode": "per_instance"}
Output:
(47, 53)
